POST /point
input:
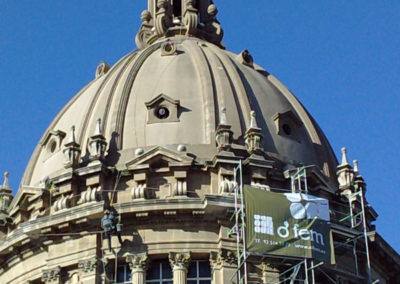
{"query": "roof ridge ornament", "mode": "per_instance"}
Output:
(165, 18)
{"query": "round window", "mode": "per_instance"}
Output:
(162, 112)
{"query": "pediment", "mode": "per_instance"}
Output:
(161, 98)
(159, 157)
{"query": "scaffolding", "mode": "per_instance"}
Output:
(298, 184)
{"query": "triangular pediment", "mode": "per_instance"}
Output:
(159, 157)
(160, 98)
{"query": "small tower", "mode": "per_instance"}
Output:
(167, 18)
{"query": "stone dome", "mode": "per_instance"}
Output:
(198, 86)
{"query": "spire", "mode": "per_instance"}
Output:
(169, 18)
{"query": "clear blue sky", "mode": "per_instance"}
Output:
(341, 58)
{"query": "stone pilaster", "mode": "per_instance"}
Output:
(179, 263)
(88, 269)
(52, 276)
(223, 265)
(138, 264)
(269, 274)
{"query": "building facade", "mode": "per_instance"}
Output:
(157, 139)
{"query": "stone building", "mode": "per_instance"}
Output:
(157, 138)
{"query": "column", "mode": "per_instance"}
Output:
(138, 264)
(223, 265)
(179, 262)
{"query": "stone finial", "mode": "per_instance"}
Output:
(355, 166)
(102, 69)
(223, 134)
(359, 182)
(253, 135)
(72, 151)
(345, 175)
(6, 182)
(223, 116)
(97, 142)
(344, 157)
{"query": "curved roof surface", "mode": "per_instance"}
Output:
(196, 84)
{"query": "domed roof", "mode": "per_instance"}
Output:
(175, 91)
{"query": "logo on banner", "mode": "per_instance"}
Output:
(301, 207)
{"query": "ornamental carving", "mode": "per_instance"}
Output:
(50, 275)
(88, 265)
(191, 18)
(137, 261)
(179, 260)
(223, 257)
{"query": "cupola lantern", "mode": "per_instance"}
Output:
(168, 18)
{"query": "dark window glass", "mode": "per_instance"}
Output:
(166, 270)
(199, 272)
(159, 272)
(204, 269)
(153, 272)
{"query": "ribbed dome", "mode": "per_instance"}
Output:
(171, 93)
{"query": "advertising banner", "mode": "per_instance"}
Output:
(288, 224)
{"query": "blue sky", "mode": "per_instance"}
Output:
(341, 59)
